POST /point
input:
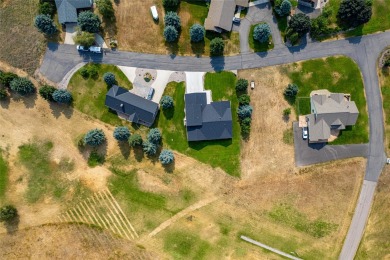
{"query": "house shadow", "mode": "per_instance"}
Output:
(217, 63)
(12, 225)
(317, 146)
(61, 109)
(199, 145)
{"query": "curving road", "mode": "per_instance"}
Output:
(60, 59)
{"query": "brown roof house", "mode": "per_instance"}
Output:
(221, 13)
(330, 113)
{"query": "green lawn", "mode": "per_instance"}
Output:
(89, 94)
(337, 74)
(45, 177)
(171, 122)
(185, 245)
(258, 46)
(385, 88)
(3, 175)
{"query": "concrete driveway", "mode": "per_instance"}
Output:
(70, 32)
(307, 154)
(194, 82)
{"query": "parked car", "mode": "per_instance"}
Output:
(252, 84)
(236, 20)
(153, 9)
(82, 48)
(95, 49)
(150, 94)
(304, 133)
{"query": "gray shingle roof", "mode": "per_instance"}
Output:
(67, 9)
(333, 111)
(207, 121)
(139, 110)
(220, 15)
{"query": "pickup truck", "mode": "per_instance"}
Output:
(94, 49)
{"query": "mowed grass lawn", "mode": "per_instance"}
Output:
(21, 43)
(219, 153)
(338, 75)
(3, 175)
(257, 46)
(89, 94)
(385, 88)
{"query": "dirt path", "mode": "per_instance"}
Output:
(181, 214)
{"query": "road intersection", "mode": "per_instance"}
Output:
(365, 51)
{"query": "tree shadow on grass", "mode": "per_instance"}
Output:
(12, 225)
(28, 100)
(169, 168)
(198, 48)
(168, 113)
(172, 47)
(138, 153)
(125, 149)
(4, 103)
(61, 109)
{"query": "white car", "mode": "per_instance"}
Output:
(304, 133)
(153, 10)
(81, 48)
(95, 49)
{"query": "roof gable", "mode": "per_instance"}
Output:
(67, 9)
(220, 15)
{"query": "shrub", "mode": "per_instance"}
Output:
(135, 140)
(47, 9)
(291, 91)
(286, 112)
(386, 63)
(46, 92)
(244, 100)
(319, 26)
(299, 23)
(62, 96)
(93, 72)
(121, 133)
(244, 111)
(106, 9)
(45, 24)
(172, 19)
(242, 85)
(166, 157)
(95, 159)
(246, 125)
(8, 213)
(89, 22)
(3, 93)
(6, 78)
(94, 137)
(166, 102)
(109, 78)
(171, 4)
(23, 86)
(293, 37)
(85, 39)
(149, 148)
(354, 12)
(170, 34)
(284, 8)
(217, 46)
(262, 32)
(154, 136)
(246, 121)
(197, 33)
(84, 72)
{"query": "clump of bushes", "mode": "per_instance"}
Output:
(154, 136)
(149, 148)
(290, 93)
(106, 9)
(298, 26)
(217, 46)
(8, 213)
(353, 13)
(22, 86)
(166, 102)
(89, 22)
(46, 92)
(89, 71)
(244, 110)
(45, 24)
(283, 7)
(135, 140)
(242, 85)
(62, 96)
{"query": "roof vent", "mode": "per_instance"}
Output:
(121, 105)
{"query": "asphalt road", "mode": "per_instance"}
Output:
(365, 50)
(308, 154)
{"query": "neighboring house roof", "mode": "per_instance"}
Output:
(139, 110)
(330, 111)
(207, 121)
(220, 15)
(67, 9)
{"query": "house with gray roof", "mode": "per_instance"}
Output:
(330, 112)
(134, 108)
(221, 13)
(207, 121)
(68, 9)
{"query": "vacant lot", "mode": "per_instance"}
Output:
(138, 32)
(171, 122)
(21, 44)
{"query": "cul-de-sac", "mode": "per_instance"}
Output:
(195, 129)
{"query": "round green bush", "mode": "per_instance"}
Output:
(154, 136)
(244, 111)
(95, 137)
(121, 133)
(217, 46)
(46, 92)
(62, 96)
(45, 24)
(3, 93)
(166, 157)
(242, 85)
(84, 72)
(149, 148)
(166, 102)
(8, 213)
(89, 22)
(170, 34)
(172, 19)
(262, 32)
(135, 140)
(197, 33)
(244, 99)
(109, 78)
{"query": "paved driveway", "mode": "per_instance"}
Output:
(70, 32)
(307, 154)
